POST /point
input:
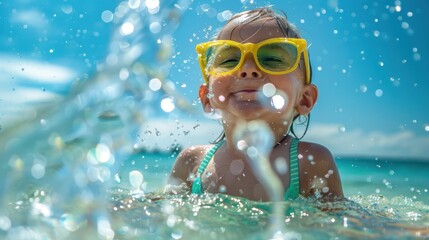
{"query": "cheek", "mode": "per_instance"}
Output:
(285, 93)
(217, 91)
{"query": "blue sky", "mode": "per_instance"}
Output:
(367, 56)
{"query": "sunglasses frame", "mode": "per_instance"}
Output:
(299, 43)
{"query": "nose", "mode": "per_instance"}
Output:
(249, 68)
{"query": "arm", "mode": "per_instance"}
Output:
(318, 173)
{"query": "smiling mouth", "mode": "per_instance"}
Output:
(246, 91)
(247, 95)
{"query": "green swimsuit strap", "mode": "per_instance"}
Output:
(293, 190)
(197, 185)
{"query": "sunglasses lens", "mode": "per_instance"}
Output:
(222, 58)
(277, 57)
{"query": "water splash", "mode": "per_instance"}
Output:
(136, 180)
(72, 157)
(255, 139)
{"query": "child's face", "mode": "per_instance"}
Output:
(241, 93)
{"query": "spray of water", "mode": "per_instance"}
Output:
(256, 140)
(55, 176)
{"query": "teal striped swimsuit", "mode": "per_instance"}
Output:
(291, 193)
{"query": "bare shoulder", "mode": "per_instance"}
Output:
(318, 172)
(314, 150)
(187, 163)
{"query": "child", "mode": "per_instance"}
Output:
(256, 50)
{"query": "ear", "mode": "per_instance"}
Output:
(308, 99)
(205, 101)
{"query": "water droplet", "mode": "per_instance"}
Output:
(155, 27)
(378, 92)
(278, 101)
(376, 33)
(417, 57)
(152, 4)
(155, 84)
(124, 74)
(102, 153)
(280, 165)
(67, 9)
(117, 178)
(167, 105)
(5, 223)
(127, 28)
(136, 178)
(369, 179)
(397, 8)
(252, 152)
(38, 170)
(191, 177)
(106, 16)
(241, 145)
(405, 25)
(269, 90)
(177, 234)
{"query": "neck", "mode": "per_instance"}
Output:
(279, 131)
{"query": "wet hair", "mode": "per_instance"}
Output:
(289, 30)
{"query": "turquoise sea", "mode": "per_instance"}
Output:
(81, 79)
(388, 199)
(360, 175)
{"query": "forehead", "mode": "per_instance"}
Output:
(255, 31)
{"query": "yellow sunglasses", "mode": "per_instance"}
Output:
(275, 56)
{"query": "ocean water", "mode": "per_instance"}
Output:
(387, 199)
(387, 177)
(70, 138)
